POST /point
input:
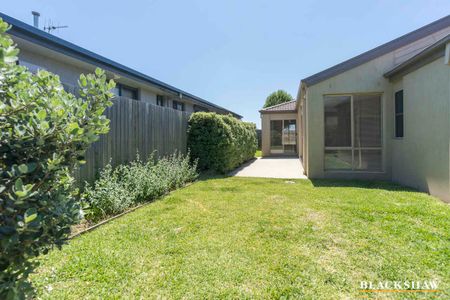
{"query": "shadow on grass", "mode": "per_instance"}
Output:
(319, 183)
(207, 175)
(329, 183)
(364, 184)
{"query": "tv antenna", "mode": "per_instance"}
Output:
(49, 28)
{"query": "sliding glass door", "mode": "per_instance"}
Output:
(353, 132)
(289, 136)
(283, 137)
(276, 136)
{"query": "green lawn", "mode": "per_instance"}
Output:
(258, 238)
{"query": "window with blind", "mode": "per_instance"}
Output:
(353, 132)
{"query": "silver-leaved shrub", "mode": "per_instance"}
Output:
(125, 186)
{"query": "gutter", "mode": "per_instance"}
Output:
(266, 112)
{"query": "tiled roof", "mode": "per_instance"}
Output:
(283, 107)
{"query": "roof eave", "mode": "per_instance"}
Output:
(378, 51)
(427, 55)
(279, 104)
(266, 112)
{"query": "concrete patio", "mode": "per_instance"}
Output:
(272, 167)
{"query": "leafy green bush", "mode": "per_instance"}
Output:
(220, 143)
(44, 132)
(128, 185)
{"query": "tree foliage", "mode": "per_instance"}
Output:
(44, 133)
(220, 143)
(277, 97)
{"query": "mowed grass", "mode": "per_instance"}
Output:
(259, 238)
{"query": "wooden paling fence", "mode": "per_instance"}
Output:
(135, 126)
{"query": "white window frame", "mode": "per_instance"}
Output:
(352, 148)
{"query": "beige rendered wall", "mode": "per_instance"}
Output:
(421, 158)
(265, 128)
(367, 78)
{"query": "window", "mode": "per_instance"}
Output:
(283, 136)
(178, 105)
(289, 136)
(399, 120)
(198, 108)
(353, 132)
(126, 91)
(160, 100)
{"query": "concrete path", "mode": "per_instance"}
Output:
(272, 167)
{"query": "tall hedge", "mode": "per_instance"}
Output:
(220, 142)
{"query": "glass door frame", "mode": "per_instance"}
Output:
(283, 150)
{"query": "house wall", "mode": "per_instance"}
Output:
(421, 158)
(265, 128)
(68, 73)
(69, 70)
(366, 78)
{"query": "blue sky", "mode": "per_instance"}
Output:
(232, 52)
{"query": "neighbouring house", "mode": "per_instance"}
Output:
(279, 129)
(384, 114)
(41, 50)
(148, 117)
